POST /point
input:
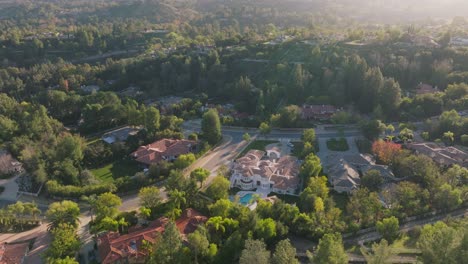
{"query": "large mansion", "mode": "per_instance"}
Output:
(266, 170)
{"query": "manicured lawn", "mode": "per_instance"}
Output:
(258, 145)
(337, 144)
(117, 169)
(290, 199)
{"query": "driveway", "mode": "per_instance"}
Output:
(11, 189)
(324, 152)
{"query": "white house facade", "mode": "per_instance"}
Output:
(271, 172)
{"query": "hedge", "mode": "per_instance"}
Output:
(71, 191)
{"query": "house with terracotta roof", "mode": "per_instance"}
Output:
(13, 253)
(424, 88)
(271, 172)
(317, 112)
(444, 156)
(164, 149)
(130, 248)
(8, 164)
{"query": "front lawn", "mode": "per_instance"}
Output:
(258, 145)
(337, 144)
(290, 199)
(117, 169)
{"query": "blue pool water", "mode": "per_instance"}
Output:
(246, 199)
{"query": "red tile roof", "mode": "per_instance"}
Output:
(8, 164)
(114, 247)
(13, 253)
(425, 89)
(156, 151)
(317, 111)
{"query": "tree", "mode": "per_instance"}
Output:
(438, 243)
(169, 248)
(184, 160)
(448, 137)
(211, 126)
(222, 208)
(311, 166)
(106, 206)
(385, 151)
(381, 253)
(425, 135)
(372, 180)
(284, 253)
(264, 129)
(150, 197)
(265, 229)
(446, 197)
(67, 260)
(464, 139)
(330, 250)
(65, 242)
(309, 136)
(177, 198)
(316, 188)
(390, 97)
(70, 147)
(388, 228)
(364, 206)
(200, 175)
(406, 134)
(152, 120)
(288, 116)
(199, 243)
(372, 129)
(410, 198)
(219, 188)
(246, 137)
(254, 252)
(8, 128)
(64, 212)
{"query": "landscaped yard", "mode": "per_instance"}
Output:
(337, 144)
(258, 145)
(117, 169)
(299, 147)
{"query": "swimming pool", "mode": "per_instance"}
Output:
(246, 199)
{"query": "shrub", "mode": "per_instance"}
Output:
(58, 190)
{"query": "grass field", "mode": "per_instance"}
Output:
(337, 144)
(116, 170)
(257, 144)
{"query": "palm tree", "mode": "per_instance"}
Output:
(216, 223)
(174, 214)
(122, 224)
(177, 198)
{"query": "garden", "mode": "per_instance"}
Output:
(337, 144)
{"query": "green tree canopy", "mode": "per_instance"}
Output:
(211, 126)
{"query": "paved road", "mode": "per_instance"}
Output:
(290, 134)
(372, 236)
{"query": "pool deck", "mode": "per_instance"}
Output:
(259, 192)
